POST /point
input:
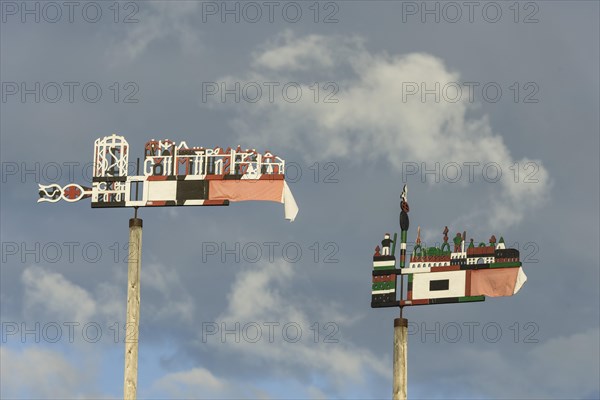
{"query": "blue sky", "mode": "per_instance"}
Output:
(489, 114)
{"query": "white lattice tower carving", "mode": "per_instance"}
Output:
(110, 156)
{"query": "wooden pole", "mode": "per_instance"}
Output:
(400, 359)
(133, 309)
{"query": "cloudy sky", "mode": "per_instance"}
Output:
(487, 110)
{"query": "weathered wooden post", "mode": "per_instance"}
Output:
(400, 387)
(132, 325)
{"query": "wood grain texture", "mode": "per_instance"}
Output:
(133, 310)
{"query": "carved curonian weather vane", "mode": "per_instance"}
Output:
(173, 175)
(178, 175)
(464, 273)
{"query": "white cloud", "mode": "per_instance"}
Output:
(315, 393)
(265, 294)
(50, 296)
(200, 383)
(55, 296)
(312, 51)
(374, 119)
(190, 384)
(157, 21)
(173, 301)
(38, 373)
(111, 300)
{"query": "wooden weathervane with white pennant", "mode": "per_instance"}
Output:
(177, 175)
(172, 175)
(460, 273)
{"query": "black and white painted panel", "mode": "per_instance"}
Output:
(439, 284)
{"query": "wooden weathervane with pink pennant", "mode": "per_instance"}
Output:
(437, 275)
(454, 273)
(174, 174)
